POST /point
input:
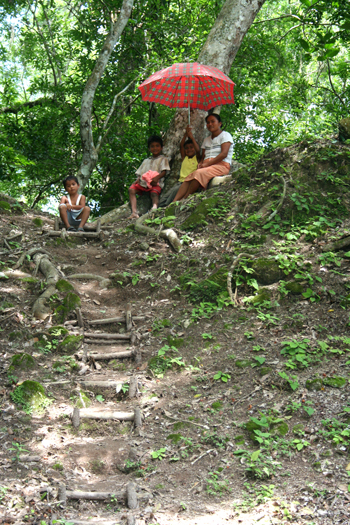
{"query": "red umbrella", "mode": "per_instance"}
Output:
(189, 85)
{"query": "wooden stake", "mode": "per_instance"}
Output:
(62, 494)
(79, 317)
(76, 417)
(138, 417)
(131, 495)
(132, 387)
(128, 317)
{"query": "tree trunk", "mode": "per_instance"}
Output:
(90, 155)
(219, 50)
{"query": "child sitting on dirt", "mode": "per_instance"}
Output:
(190, 154)
(156, 163)
(72, 209)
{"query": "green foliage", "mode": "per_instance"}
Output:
(222, 376)
(166, 359)
(31, 397)
(158, 454)
(215, 485)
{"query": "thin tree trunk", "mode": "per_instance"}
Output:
(219, 50)
(90, 155)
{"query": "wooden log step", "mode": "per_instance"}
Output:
(119, 495)
(85, 235)
(93, 335)
(112, 355)
(107, 348)
(121, 319)
(89, 226)
(101, 384)
(102, 341)
(89, 413)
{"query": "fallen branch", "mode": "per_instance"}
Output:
(336, 245)
(201, 456)
(185, 421)
(168, 234)
(229, 277)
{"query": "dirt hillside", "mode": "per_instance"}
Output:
(221, 409)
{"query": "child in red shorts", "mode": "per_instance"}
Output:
(156, 163)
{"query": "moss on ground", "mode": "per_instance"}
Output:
(199, 216)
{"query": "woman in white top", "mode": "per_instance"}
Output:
(216, 159)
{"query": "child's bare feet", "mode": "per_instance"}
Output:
(154, 207)
(134, 216)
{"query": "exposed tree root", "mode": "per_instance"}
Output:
(15, 274)
(280, 202)
(31, 253)
(40, 310)
(229, 278)
(167, 234)
(104, 282)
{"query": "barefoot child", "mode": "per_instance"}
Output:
(190, 154)
(73, 211)
(157, 163)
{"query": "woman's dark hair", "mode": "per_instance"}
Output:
(216, 115)
(70, 177)
(155, 138)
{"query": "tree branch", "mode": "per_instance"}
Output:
(332, 86)
(31, 104)
(90, 155)
(277, 18)
(289, 30)
(101, 137)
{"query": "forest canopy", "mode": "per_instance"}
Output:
(291, 74)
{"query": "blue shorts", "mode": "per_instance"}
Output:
(73, 218)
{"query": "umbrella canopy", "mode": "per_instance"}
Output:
(188, 85)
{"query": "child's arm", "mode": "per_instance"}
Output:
(81, 205)
(65, 203)
(156, 179)
(182, 149)
(195, 144)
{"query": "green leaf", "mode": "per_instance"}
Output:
(99, 398)
(304, 44)
(255, 455)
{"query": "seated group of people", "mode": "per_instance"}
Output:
(197, 169)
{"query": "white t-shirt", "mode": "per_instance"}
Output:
(213, 146)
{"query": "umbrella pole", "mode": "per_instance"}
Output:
(189, 114)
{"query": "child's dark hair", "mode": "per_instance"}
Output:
(216, 115)
(188, 141)
(70, 177)
(155, 138)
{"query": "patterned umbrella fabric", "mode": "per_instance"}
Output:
(188, 85)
